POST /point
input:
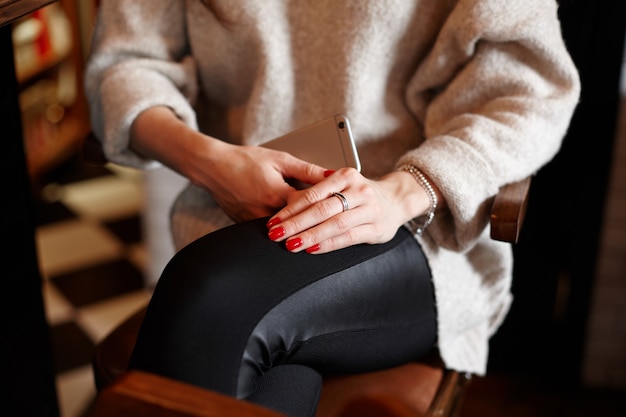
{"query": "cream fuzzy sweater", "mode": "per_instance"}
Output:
(477, 93)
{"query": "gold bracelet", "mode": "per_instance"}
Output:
(420, 223)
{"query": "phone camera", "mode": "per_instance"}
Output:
(341, 125)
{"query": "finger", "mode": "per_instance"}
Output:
(313, 215)
(303, 171)
(332, 235)
(333, 182)
(365, 233)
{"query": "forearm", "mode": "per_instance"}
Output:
(157, 133)
(246, 181)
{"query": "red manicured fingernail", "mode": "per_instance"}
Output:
(328, 172)
(272, 222)
(294, 243)
(313, 248)
(276, 233)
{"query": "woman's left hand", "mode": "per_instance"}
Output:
(316, 220)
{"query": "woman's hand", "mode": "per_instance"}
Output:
(315, 220)
(246, 181)
(250, 182)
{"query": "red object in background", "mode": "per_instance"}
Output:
(42, 43)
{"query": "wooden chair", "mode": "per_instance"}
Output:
(417, 389)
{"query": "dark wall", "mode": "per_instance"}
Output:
(25, 348)
(544, 334)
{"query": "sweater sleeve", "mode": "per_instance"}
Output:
(495, 96)
(139, 59)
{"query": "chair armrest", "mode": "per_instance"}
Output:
(140, 394)
(508, 211)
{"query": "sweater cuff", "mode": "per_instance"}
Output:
(142, 90)
(468, 189)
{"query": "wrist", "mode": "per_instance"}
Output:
(425, 215)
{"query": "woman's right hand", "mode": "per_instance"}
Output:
(246, 181)
(250, 181)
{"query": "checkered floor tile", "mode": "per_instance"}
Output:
(92, 259)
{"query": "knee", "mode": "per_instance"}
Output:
(214, 276)
(231, 261)
(194, 276)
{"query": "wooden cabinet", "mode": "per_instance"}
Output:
(50, 46)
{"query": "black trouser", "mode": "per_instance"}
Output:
(237, 313)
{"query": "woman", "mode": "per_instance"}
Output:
(448, 101)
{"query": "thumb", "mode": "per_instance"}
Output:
(305, 172)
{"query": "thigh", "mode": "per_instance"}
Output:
(372, 314)
(220, 292)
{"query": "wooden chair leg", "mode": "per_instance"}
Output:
(449, 398)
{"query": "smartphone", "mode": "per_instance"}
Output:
(328, 143)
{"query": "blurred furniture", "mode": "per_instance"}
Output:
(50, 44)
(25, 347)
(422, 388)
